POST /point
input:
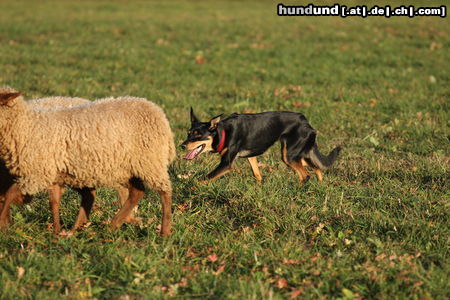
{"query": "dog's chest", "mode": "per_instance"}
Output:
(244, 153)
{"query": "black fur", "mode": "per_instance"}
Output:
(249, 135)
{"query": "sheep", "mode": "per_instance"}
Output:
(6, 179)
(123, 141)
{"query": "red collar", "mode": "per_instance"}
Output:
(221, 142)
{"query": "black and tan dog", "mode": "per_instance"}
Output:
(250, 135)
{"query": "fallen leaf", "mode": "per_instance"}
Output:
(200, 59)
(162, 42)
(191, 253)
(320, 227)
(219, 270)
(290, 261)
(20, 272)
(183, 282)
(213, 257)
(432, 79)
(282, 283)
(182, 207)
(374, 141)
(295, 294)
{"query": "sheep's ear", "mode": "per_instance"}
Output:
(214, 121)
(6, 97)
(194, 119)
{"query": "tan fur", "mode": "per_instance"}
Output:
(52, 103)
(207, 143)
(254, 164)
(6, 179)
(102, 143)
(55, 103)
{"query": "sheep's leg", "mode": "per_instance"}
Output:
(123, 197)
(8, 220)
(55, 192)
(87, 200)
(166, 203)
(12, 193)
(136, 192)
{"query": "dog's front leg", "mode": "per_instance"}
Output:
(223, 168)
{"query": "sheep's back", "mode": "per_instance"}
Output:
(110, 140)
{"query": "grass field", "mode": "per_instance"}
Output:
(377, 227)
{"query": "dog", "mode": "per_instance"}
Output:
(250, 135)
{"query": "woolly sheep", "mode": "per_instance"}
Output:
(117, 141)
(7, 180)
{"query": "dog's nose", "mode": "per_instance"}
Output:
(183, 146)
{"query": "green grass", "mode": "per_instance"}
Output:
(378, 227)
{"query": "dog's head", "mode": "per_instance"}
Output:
(200, 136)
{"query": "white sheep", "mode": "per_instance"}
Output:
(7, 180)
(124, 141)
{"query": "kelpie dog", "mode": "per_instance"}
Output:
(250, 135)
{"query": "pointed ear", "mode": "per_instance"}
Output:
(214, 121)
(194, 119)
(6, 97)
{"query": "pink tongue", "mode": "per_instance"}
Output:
(192, 154)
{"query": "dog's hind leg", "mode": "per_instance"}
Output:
(289, 159)
(317, 171)
(254, 164)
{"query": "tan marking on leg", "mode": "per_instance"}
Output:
(318, 174)
(166, 205)
(302, 173)
(285, 154)
(217, 176)
(305, 163)
(254, 164)
(317, 171)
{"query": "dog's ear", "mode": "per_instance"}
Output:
(214, 121)
(6, 97)
(194, 119)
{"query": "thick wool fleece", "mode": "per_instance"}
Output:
(6, 179)
(100, 144)
(57, 102)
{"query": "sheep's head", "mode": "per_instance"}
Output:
(8, 106)
(7, 97)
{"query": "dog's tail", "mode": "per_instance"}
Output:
(321, 161)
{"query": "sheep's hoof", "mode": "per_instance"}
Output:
(165, 233)
(134, 220)
(5, 224)
(66, 234)
(115, 225)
